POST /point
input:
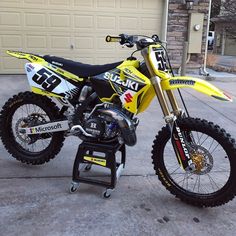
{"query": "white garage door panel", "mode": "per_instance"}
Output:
(73, 28)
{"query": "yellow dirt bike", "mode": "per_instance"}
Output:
(193, 158)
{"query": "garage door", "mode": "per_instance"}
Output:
(230, 46)
(73, 29)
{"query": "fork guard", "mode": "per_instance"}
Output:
(200, 85)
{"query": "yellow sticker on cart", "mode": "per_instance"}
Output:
(101, 162)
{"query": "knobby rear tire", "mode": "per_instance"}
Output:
(226, 193)
(8, 138)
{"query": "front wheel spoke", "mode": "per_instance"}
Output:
(196, 182)
(212, 182)
(219, 177)
(199, 184)
(214, 148)
(188, 176)
(219, 170)
(184, 179)
(175, 170)
(199, 139)
(213, 140)
(203, 141)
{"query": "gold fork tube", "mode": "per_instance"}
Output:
(160, 95)
(173, 102)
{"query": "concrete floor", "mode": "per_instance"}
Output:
(34, 200)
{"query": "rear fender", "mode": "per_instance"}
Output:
(200, 85)
(39, 60)
(28, 56)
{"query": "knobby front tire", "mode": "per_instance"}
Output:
(213, 184)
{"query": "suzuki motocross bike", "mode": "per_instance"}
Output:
(194, 159)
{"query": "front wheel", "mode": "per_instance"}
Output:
(27, 110)
(213, 152)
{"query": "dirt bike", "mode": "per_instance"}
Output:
(193, 158)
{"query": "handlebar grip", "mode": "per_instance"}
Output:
(113, 39)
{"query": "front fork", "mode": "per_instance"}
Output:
(179, 138)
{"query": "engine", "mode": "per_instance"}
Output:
(100, 128)
(106, 125)
(95, 126)
(103, 122)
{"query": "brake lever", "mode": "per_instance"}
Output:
(129, 44)
(130, 41)
(124, 38)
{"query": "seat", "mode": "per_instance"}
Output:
(78, 68)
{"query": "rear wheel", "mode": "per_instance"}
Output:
(213, 152)
(26, 110)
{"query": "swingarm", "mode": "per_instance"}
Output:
(50, 127)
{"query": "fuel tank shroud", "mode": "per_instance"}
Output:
(126, 82)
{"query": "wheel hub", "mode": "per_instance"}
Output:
(202, 160)
(198, 160)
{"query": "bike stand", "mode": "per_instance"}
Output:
(100, 154)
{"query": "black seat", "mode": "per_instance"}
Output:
(78, 68)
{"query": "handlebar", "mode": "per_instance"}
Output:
(113, 39)
(131, 40)
(128, 40)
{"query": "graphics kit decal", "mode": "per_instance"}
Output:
(46, 82)
(46, 79)
(181, 148)
(127, 97)
(30, 67)
(124, 79)
(99, 161)
(161, 60)
(46, 128)
(44, 92)
(181, 81)
(128, 72)
(57, 63)
(128, 83)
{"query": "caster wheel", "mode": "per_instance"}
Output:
(88, 167)
(107, 193)
(73, 188)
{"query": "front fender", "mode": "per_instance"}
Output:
(195, 83)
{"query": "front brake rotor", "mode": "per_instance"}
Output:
(202, 159)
